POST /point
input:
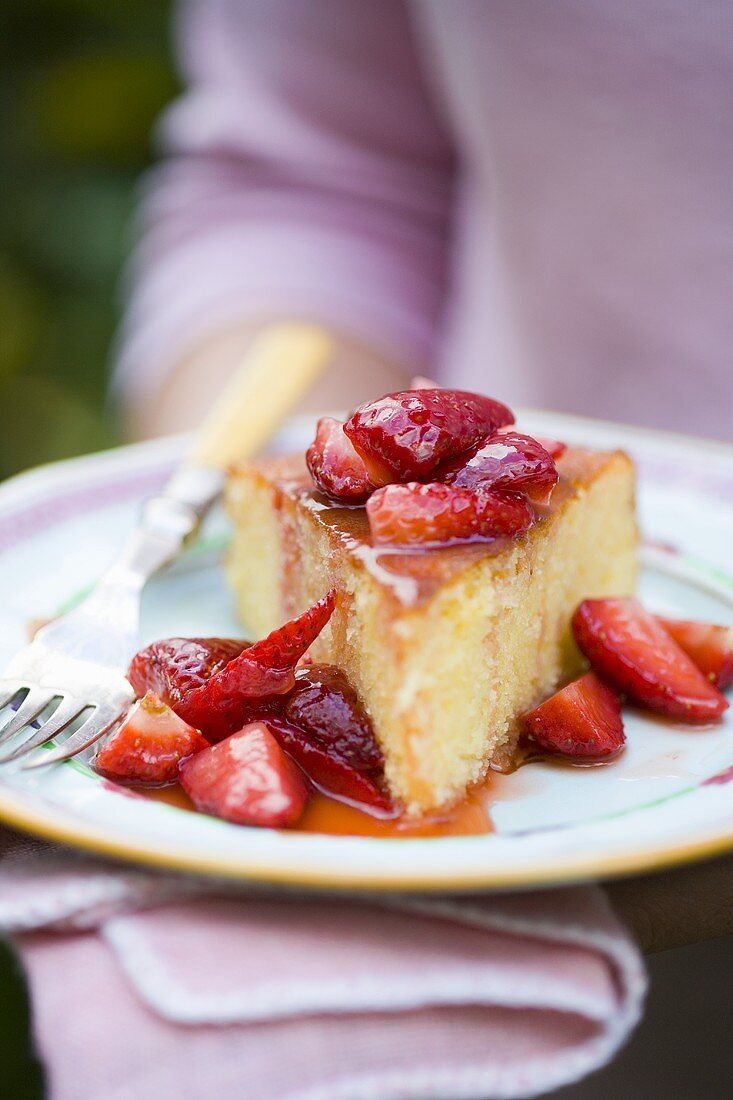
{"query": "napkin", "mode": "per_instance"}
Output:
(146, 985)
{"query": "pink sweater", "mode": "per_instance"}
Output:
(530, 198)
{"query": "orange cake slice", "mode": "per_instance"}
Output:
(446, 646)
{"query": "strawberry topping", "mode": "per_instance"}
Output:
(174, 667)
(554, 447)
(327, 708)
(148, 745)
(630, 649)
(510, 460)
(335, 466)
(708, 646)
(246, 779)
(417, 514)
(237, 689)
(335, 773)
(326, 730)
(581, 721)
(405, 435)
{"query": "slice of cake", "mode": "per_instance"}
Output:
(447, 646)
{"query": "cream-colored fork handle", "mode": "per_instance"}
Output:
(282, 364)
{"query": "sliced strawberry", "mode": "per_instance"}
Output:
(405, 435)
(335, 466)
(329, 770)
(149, 744)
(325, 729)
(246, 779)
(327, 708)
(630, 649)
(417, 514)
(582, 721)
(176, 666)
(554, 448)
(239, 689)
(510, 461)
(708, 646)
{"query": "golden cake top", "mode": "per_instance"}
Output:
(414, 574)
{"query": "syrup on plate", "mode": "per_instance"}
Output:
(470, 817)
(325, 815)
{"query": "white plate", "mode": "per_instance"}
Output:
(666, 800)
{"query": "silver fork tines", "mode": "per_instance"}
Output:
(64, 713)
(92, 729)
(44, 712)
(35, 701)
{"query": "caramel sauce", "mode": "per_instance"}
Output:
(470, 817)
(324, 815)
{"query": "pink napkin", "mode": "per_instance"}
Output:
(148, 986)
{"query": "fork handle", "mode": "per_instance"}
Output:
(282, 363)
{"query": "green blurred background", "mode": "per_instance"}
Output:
(81, 82)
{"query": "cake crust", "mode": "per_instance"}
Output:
(446, 646)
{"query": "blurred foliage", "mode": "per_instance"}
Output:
(81, 83)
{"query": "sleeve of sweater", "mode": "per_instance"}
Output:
(305, 174)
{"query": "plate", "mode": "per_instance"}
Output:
(667, 800)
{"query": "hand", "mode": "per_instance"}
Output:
(677, 907)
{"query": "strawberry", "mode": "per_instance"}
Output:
(335, 466)
(709, 647)
(630, 649)
(246, 779)
(510, 460)
(554, 448)
(330, 770)
(416, 514)
(582, 721)
(219, 701)
(405, 435)
(323, 727)
(149, 744)
(326, 707)
(176, 666)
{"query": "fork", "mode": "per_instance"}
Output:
(73, 672)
